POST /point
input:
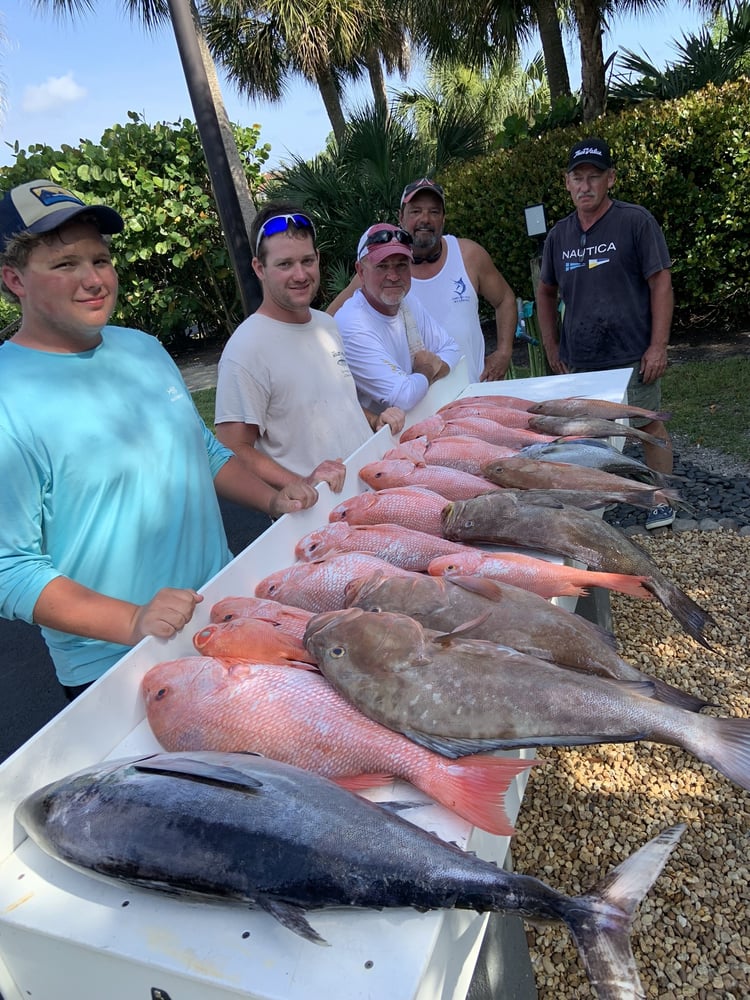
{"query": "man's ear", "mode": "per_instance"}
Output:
(13, 280)
(258, 268)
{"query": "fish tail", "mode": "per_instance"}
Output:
(645, 436)
(476, 788)
(601, 921)
(674, 499)
(633, 586)
(725, 745)
(690, 615)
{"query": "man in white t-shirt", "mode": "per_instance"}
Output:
(449, 275)
(394, 347)
(286, 402)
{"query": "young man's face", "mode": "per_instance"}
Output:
(424, 217)
(289, 273)
(588, 187)
(386, 283)
(67, 289)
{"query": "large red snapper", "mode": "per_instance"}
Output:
(449, 483)
(321, 585)
(500, 414)
(499, 612)
(288, 618)
(404, 547)
(577, 534)
(410, 506)
(514, 402)
(252, 639)
(465, 453)
(493, 432)
(540, 576)
(459, 696)
(198, 703)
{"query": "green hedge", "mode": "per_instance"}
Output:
(687, 161)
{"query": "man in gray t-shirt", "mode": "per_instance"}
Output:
(609, 265)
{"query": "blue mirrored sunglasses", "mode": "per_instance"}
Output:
(280, 224)
(385, 236)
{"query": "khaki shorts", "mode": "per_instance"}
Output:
(648, 397)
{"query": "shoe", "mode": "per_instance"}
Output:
(660, 517)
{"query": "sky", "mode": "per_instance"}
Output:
(65, 81)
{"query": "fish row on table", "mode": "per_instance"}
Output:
(419, 674)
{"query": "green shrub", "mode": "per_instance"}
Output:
(173, 263)
(687, 161)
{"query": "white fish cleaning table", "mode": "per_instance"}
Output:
(69, 936)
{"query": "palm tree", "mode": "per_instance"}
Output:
(233, 200)
(358, 180)
(487, 99)
(715, 55)
(263, 43)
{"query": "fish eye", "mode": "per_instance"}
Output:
(228, 618)
(337, 652)
(160, 694)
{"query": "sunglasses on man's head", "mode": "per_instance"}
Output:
(386, 236)
(280, 224)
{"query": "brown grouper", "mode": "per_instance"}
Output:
(506, 518)
(488, 609)
(250, 830)
(459, 696)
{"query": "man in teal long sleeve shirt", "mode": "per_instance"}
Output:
(109, 518)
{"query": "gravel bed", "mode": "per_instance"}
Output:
(590, 808)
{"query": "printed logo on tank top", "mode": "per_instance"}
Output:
(174, 394)
(459, 291)
(587, 256)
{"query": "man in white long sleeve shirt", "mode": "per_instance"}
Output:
(394, 348)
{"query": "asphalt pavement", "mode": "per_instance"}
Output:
(29, 692)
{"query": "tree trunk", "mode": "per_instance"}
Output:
(332, 101)
(377, 82)
(555, 63)
(593, 84)
(217, 149)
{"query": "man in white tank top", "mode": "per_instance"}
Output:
(450, 274)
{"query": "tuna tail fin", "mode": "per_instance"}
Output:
(690, 615)
(600, 922)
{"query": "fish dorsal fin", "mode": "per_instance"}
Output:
(292, 917)
(481, 585)
(199, 770)
(446, 638)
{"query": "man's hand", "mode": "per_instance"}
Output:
(392, 417)
(653, 364)
(166, 613)
(331, 471)
(293, 497)
(495, 366)
(430, 365)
